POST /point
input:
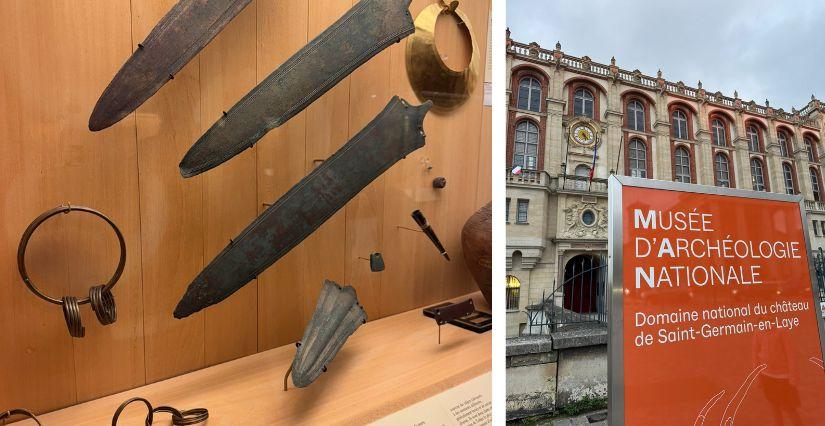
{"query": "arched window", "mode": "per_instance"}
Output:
(526, 146)
(513, 288)
(784, 149)
(811, 148)
(529, 94)
(637, 156)
(583, 103)
(753, 139)
(717, 132)
(758, 175)
(682, 165)
(679, 124)
(815, 184)
(721, 169)
(787, 175)
(636, 116)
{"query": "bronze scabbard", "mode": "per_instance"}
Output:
(173, 42)
(364, 31)
(392, 135)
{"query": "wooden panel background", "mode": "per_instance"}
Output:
(57, 58)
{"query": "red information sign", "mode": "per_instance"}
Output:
(714, 319)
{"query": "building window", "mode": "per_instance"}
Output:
(637, 153)
(787, 174)
(811, 148)
(784, 150)
(822, 224)
(758, 175)
(722, 170)
(816, 228)
(753, 139)
(507, 211)
(513, 290)
(526, 146)
(815, 184)
(521, 211)
(583, 103)
(529, 94)
(679, 125)
(682, 165)
(636, 116)
(717, 131)
(583, 176)
(588, 217)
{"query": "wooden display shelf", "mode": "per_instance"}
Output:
(387, 365)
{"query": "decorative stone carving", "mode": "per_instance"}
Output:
(574, 227)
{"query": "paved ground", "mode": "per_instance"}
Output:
(596, 418)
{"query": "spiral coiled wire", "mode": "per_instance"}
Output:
(71, 312)
(103, 304)
(179, 418)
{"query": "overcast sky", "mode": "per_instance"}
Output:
(764, 49)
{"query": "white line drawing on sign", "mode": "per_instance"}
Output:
(703, 415)
(739, 396)
(816, 361)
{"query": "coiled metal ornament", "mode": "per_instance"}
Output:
(6, 415)
(179, 418)
(100, 297)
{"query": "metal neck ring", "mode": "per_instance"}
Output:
(429, 76)
(24, 242)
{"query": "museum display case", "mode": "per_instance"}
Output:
(277, 174)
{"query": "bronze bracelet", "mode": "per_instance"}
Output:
(18, 412)
(179, 418)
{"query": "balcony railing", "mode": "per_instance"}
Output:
(815, 206)
(569, 183)
(584, 64)
(528, 177)
(573, 183)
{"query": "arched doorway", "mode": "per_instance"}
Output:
(583, 284)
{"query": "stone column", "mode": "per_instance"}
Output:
(662, 167)
(704, 160)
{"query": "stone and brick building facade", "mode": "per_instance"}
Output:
(642, 126)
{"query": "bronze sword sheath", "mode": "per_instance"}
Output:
(365, 30)
(186, 29)
(392, 135)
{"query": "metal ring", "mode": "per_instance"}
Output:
(149, 416)
(188, 417)
(24, 242)
(103, 304)
(18, 412)
(71, 312)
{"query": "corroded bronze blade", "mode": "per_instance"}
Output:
(364, 31)
(336, 317)
(175, 40)
(392, 135)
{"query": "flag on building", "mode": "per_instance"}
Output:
(516, 170)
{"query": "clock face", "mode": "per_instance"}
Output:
(583, 135)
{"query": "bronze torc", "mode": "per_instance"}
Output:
(175, 40)
(392, 135)
(364, 31)
(337, 315)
